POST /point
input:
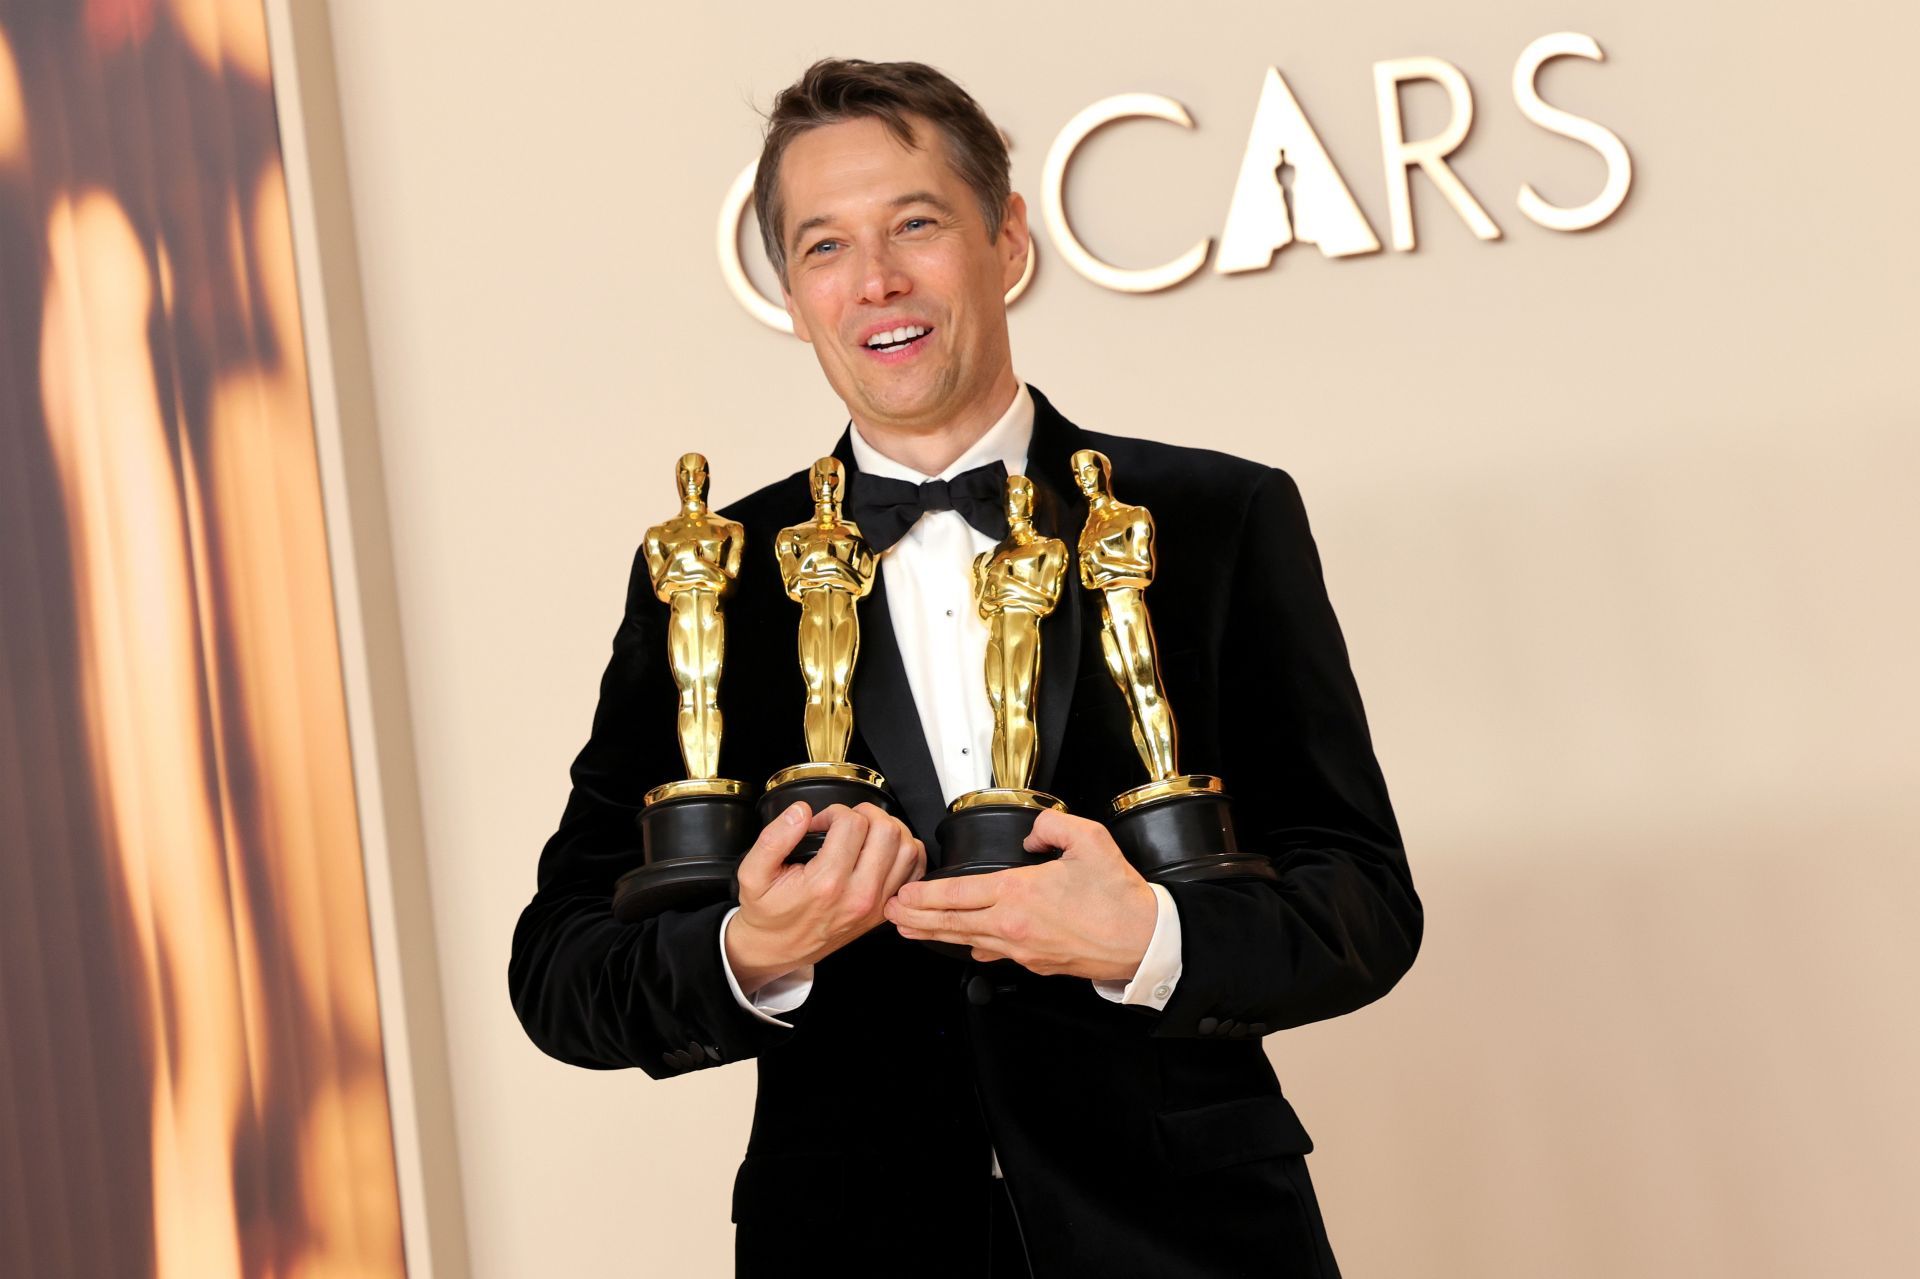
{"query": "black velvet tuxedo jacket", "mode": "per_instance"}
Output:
(1133, 1142)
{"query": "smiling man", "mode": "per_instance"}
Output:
(1087, 1093)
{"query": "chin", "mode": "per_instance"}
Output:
(903, 404)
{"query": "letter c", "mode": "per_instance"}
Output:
(1053, 205)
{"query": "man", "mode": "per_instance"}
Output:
(1087, 1095)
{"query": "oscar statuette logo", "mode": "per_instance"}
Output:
(828, 568)
(1176, 827)
(693, 831)
(1015, 586)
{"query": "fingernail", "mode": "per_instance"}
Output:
(793, 812)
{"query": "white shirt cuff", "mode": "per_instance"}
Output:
(781, 995)
(1160, 968)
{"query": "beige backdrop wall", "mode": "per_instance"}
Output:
(1619, 524)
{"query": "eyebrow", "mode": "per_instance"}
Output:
(898, 202)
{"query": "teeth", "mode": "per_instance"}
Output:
(896, 336)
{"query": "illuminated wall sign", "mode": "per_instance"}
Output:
(1259, 221)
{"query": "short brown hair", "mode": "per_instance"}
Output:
(834, 90)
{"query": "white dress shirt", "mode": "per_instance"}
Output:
(943, 644)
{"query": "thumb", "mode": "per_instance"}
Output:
(1055, 829)
(769, 852)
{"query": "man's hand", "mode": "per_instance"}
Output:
(1086, 914)
(791, 916)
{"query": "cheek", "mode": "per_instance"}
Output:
(816, 309)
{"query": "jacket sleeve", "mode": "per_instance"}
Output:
(593, 991)
(1342, 923)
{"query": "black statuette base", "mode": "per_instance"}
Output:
(979, 841)
(692, 845)
(1184, 839)
(986, 838)
(818, 793)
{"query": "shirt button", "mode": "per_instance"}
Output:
(949, 612)
(1161, 992)
(963, 750)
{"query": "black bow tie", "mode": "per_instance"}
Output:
(885, 509)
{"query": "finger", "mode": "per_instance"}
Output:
(986, 956)
(909, 862)
(1064, 831)
(868, 881)
(953, 936)
(845, 834)
(973, 923)
(962, 892)
(762, 862)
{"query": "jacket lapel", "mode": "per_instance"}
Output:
(884, 713)
(1061, 513)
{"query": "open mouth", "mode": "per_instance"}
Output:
(904, 338)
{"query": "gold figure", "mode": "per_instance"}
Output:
(1116, 559)
(1015, 585)
(692, 560)
(829, 568)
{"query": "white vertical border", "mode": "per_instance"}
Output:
(379, 728)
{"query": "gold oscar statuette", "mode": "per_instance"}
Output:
(827, 568)
(692, 559)
(1175, 826)
(694, 830)
(1015, 586)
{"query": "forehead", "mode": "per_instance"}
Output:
(841, 169)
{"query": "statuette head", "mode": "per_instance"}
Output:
(1019, 500)
(828, 478)
(691, 474)
(1093, 473)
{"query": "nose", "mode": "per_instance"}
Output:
(881, 276)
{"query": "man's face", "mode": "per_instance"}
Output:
(880, 237)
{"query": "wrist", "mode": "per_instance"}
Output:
(1143, 919)
(755, 961)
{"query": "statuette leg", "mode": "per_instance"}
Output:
(695, 650)
(1126, 637)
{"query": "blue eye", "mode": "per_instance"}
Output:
(824, 244)
(910, 223)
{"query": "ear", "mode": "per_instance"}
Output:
(1015, 242)
(793, 314)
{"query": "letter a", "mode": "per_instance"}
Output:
(1323, 209)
